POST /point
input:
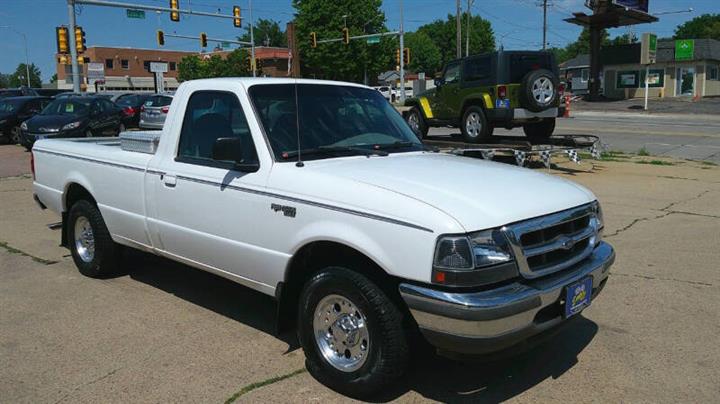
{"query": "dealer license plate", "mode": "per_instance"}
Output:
(577, 296)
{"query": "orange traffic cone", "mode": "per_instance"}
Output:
(567, 107)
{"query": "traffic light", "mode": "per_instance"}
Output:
(160, 38)
(346, 35)
(406, 56)
(63, 44)
(249, 64)
(237, 21)
(80, 40)
(83, 59)
(313, 40)
(397, 56)
(63, 59)
(174, 15)
(203, 40)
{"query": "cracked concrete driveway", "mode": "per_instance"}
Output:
(164, 332)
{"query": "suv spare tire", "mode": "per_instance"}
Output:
(538, 91)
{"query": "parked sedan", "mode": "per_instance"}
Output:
(17, 92)
(154, 111)
(68, 117)
(131, 105)
(15, 110)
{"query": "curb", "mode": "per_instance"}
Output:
(646, 115)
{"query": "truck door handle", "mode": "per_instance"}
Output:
(170, 180)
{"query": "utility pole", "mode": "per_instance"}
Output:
(402, 52)
(545, 24)
(252, 41)
(458, 34)
(73, 49)
(467, 29)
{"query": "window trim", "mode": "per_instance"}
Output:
(112, 63)
(199, 161)
(127, 63)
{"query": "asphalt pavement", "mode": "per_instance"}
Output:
(693, 137)
(164, 332)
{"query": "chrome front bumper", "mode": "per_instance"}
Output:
(491, 320)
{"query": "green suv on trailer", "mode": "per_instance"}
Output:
(500, 89)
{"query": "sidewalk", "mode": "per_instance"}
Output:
(684, 107)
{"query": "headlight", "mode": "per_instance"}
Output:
(473, 259)
(71, 125)
(598, 222)
(23, 126)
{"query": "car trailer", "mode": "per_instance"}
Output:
(522, 150)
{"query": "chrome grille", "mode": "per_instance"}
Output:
(554, 242)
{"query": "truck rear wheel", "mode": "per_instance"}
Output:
(540, 130)
(93, 250)
(351, 332)
(474, 125)
(417, 123)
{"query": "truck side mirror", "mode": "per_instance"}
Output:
(439, 82)
(230, 149)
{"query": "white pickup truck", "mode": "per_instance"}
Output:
(319, 194)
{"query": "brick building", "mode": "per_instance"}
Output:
(127, 69)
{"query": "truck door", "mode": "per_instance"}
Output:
(205, 211)
(446, 94)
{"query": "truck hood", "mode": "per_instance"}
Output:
(478, 194)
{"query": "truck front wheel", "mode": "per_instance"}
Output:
(417, 123)
(540, 131)
(351, 332)
(474, 125)
(93, 250)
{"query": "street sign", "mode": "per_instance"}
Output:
(648, 49)
(132, 13)
(684, 49)
(373, 39)
(95, 72)
(158, 67)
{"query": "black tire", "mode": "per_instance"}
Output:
(537, 78)
(106, 256)
(482, 132)
(540, 130)
(387, 353)
(88, 133)
(417, 123)
(14, 135)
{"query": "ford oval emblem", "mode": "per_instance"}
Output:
(567, 243)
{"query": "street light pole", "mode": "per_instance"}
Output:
(252, 41)
(544, 25)
(402, 56)
(27, 65)
(467, 34)
(73, 50)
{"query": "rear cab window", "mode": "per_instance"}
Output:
(520, 64)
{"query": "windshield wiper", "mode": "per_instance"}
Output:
(400, 144)
(333, 150)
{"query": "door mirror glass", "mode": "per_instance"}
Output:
(230, 149)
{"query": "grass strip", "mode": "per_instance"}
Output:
(257, 385)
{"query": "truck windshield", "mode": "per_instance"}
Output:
(334, 121)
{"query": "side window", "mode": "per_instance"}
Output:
(478, 68)
(211, 115)
(452, 73)
(107, 105)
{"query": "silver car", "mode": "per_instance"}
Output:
(154, 111)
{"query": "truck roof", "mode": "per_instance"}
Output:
(251, 81)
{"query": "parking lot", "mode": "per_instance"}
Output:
(164, 332)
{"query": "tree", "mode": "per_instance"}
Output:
(624, 39)
(196, 67)
(424, 54)
(336, 60)
(443, 34)
(53, 78)
(704, 26)
(18, 78)
(4, 80)
(266, 33)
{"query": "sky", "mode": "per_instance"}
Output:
(517, 23)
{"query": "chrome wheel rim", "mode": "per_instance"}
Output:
(543, 90)
(414, 122)
(341, 333)
(84, 239)
(473, 124)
